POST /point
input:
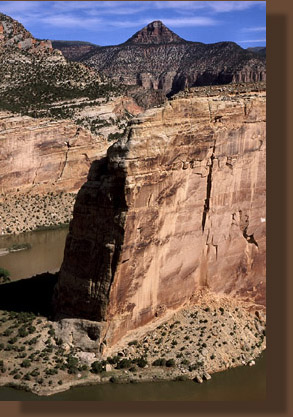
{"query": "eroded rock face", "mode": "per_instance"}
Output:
(177, 205)
(45, 155)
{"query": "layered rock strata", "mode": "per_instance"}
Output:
(178, 204)
(45, 155)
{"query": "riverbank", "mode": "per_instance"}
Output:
(237, 384)
(21, 213)
(215, 334)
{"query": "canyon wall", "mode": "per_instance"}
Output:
(178, 204)
(42, 155)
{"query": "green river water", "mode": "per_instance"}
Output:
(240, 384)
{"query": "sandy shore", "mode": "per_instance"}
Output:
(26, 212)
(217, 333)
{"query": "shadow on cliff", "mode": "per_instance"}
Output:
(31, 295)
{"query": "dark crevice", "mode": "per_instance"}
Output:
(209, 189)
(249, 238)
(65, 162)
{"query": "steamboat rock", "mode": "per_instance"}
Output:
(177, 205)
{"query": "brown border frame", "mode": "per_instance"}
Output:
(279, 401)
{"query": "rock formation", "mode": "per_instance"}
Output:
(158, 59)
(45, 155)
(178, 204)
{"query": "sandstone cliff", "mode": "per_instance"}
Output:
(45, 155)
(178, 204)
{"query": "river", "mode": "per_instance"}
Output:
(46, 253)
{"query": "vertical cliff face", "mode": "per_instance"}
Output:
(177, 205)
(45, 155)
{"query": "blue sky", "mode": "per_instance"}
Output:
(113, 22)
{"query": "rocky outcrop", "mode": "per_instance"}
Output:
(45, 155)
(154, 33)
(14, 35)
(177, 205)
(34, 76)
(158, 59)
(74, 50)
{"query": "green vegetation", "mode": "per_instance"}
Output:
(170, 363)
(159, 362)
(19, 246)
(97, 367)
(4, 276)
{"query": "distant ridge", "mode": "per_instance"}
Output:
(73, 50)
(157, 59)
(260, 50)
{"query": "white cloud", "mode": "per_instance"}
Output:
(214, 6)
(8, 7)
(71, 21)
(232, 6)
(254, 29)
(252, 40)
(189, 21)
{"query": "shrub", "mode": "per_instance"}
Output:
(26, 363)
(159, 362)
(170, 363)
(2, 367)
(51, 332)
(31, 329)
(133, 343)
(12, 340)
(124, 363)
(51, 371)
(113, 360)
(141, 362)
(35, 372)
(72, 364)
(97, 367)
(4, 276)
(22, 332)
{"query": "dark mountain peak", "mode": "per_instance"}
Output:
(155, 33)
